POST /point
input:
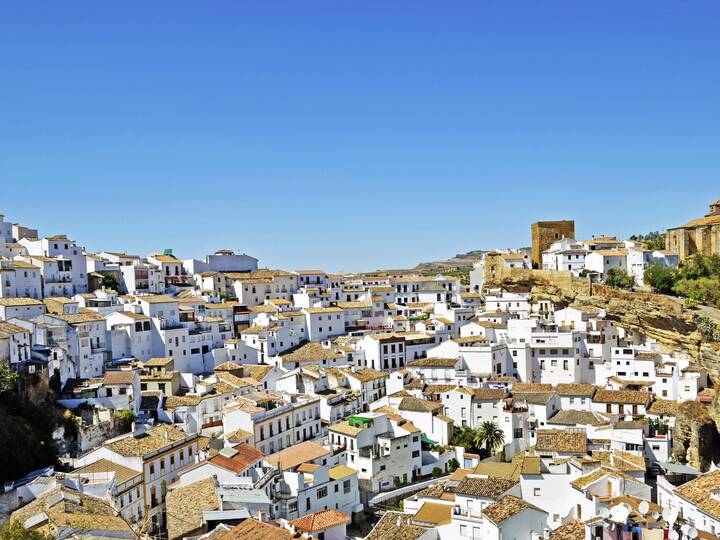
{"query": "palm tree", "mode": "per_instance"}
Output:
(490, 436)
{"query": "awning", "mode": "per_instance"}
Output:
(424, 438)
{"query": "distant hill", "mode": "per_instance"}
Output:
(457, 266)
(460, 260)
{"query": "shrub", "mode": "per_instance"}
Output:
(618, 278)
(125, 417)
(660, 277)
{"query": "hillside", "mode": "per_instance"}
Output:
(458, 265)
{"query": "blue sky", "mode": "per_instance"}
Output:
(355, 135)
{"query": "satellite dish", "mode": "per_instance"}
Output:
(604, 513)
(670, 515)
(655, 515)
(674, 535)
(619, 513)
(692, 532)
(644, 507)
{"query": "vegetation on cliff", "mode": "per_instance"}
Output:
(697, 279)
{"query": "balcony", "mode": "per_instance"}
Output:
(167, 325)
(58, 279)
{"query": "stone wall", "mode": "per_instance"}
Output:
(94, 435)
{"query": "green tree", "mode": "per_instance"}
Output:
(660, 277)
(465, 437)
(489, 436)
(700, 266)
(653, 240)
(8, 378)
(453, 465)
(436, 472)
(617, 278)
(109, 281)
(13, 530)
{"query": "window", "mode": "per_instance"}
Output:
(322, 492)
(536, 492)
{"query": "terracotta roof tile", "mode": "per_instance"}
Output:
(320, 521)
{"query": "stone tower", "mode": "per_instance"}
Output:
(544, 233)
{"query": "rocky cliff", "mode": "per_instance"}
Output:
(695, 436)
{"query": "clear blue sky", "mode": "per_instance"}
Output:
(355, 135)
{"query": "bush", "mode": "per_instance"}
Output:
(436, 472)
(703, 290)
(8, 378)
(453, 465)
(660, 277)
(125, 417)
(708, 329)
(618, 278)
(13, 530)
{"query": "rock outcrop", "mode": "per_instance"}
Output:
(695, 436)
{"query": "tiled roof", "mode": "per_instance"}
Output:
(418, 405)
(433, 362)
(159, 362)
(122, 474)
(506, 508)
(365, 375)
(621, 396)
(153, 440)
(583, 481)
(186, 504)
(157, 299)
(533, 398)
(663, 406)
(244, 457)
(434, 514)
(487, 487)
(320, 521)
(252, 529)
(121, 376)
(572, 530)
(396, 526)
(15, 302)
(257, 372)
(560, 440)
(295, 455)
(528, 388)
(479, 394)
(345, 429)
(311, 351)
(67, 508)
(437, 388)
(700, 493)
(338, 472)
(586, 390)
(620, 460)
(573, 417)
